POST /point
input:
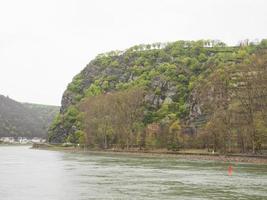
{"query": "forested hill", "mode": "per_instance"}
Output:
(21, 119)
(167, 96)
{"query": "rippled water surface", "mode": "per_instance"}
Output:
(28, 174)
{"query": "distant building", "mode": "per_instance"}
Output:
(23, 140)
(7, 139)
(36, 140)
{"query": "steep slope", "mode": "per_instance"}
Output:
(44, 113)
(18, 119)
(168, 73)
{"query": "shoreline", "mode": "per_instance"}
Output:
(15, 145)
(230, 158)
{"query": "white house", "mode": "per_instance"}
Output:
(7, 139)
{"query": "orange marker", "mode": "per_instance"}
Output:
(230, 170)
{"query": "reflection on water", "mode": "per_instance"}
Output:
(27, 174)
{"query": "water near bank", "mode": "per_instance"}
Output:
(29, 174)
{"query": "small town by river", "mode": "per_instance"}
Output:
(30, 174)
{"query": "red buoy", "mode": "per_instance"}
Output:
(230, 170)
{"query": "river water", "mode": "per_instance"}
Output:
(29, 174)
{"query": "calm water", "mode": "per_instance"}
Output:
(27, 174)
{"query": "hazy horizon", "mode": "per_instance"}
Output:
(44, 44)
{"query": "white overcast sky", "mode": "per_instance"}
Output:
(44, 43)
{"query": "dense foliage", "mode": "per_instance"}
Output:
(172, 77)
(29, 120)
(114, 119)
(234, 99)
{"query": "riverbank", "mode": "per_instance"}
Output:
(14, 144)
(193, 154)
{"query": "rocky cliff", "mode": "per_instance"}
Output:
(168, 72)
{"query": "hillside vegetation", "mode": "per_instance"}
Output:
(185, 94)
(24, 119)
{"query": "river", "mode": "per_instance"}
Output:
(29, 174)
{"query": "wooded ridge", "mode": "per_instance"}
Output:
(185, 94)
(25, 119)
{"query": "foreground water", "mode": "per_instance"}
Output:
(28, 174)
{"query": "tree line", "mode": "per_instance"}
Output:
(114, 119)
(234, 99)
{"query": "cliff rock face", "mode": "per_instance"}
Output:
(24, 119)
(168, 73)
